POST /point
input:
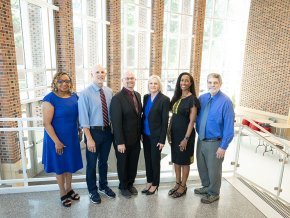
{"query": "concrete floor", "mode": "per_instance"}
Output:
(47, 204)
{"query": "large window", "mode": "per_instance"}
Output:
(225, 31)
(136, 32)
(35, 47)
(89, 19)
(177, 39)
(34, 36)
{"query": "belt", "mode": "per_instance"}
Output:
(212, 140)
(100, 128)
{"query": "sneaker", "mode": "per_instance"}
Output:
(95, 198)
(208, 199)
(108, 192)
(133, 190)
(125, 193)
(201, 191)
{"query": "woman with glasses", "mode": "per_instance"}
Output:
(61, 147)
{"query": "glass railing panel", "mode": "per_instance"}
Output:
(10, 161)
(230, 155)
(258, 163)
(285, 193)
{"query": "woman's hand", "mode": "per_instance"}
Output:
(59, 147)
(160, 146)
(182, 145)
(121, 148)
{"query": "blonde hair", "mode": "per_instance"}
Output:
(158, 81)
(57, 77)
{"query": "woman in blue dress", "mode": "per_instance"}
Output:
(61, 147)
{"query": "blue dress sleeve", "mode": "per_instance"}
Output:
(49, 98)
(76, 95)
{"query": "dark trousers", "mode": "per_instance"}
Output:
(152, 156)
(127, 164)
(103, 141)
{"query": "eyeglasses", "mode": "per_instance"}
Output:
(60, 81)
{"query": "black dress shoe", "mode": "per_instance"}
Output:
(125, 193)
(133, 190)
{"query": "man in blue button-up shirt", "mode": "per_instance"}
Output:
(215, 126)
(95, 120)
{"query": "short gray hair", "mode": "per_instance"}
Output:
(215, 75)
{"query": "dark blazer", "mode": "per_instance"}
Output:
(126, 121)
(158, 116)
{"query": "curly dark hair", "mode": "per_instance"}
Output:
(57, 77)
(178, 91)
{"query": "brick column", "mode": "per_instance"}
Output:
(64, 38)
(197, 42)
(9, 95)
(266, 73)
(114, 44)
(157, 37)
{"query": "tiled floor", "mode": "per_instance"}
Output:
(264, 170)
(47, 204)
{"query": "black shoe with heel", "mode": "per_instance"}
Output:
(152, 193)
(145, 190)
(180, 194)
(174, 189)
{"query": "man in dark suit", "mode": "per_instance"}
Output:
(125, 113)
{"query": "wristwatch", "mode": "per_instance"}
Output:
(186, 138)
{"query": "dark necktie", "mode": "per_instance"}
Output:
(135, 101)
(104, 108)
(203, 120)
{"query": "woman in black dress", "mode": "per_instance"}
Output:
(184, 106)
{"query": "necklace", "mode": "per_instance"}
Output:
(186, 95)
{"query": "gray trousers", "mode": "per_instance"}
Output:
(209, 166)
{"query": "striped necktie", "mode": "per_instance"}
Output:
(104, 108)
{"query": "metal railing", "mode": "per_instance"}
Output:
(25, 180)
(284, 155)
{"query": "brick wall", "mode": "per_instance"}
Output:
(9, 90)
(266, 78)
(64, 36)
(114, 44)
(197, 42)
(157, 37)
